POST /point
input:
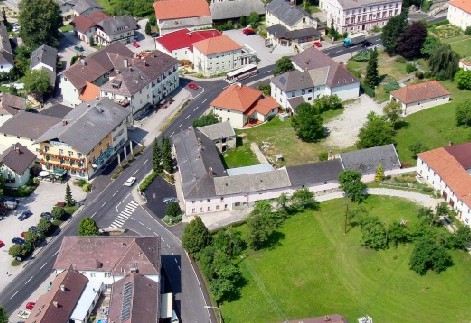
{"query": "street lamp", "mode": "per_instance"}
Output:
(215, 307)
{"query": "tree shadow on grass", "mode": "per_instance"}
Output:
(235, 294)
(274, 240)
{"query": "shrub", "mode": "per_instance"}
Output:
(147, 181)
(391, 86)
(58, 213)
(361, 57)
(367, 90)
(87, 187)
(463, 79)
(419, 75)
(427, 74)
(410, 68)
(468, 30)
(400, 59)
(463, 114)
(417, 148)
(323, 156)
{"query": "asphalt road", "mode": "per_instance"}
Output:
(340, 50)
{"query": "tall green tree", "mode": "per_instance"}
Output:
(429, 46)
(304, 199)
(148, 28)
(411, 41)
(463, 114)
(22, 59)
(392, 31)
(429, 255)
(3, 315)
(36, 83)
(261, 227)
(34, 237)
(393, 112)
(206, 120)
(351, 184)
(195, 237)
(58, 213)
(328, 102)
(307, 122)
(461, 238)
(88, 227)
(283, 65)
(443, 63)
(372, 73)
(229, 241)
(157, 158)
(397, 233)
(44, 226)
(377, 131)
(254, 19)
(40, 21)
(379, 176)
(374, 235)
(463, 79)
(167, 154)
(69, 200)
(283, 200)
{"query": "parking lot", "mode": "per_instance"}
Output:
(155, 193)
(43, 199)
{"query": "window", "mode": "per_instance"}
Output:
(209, 208)
(201, 209)
(193, 210)
(92, 274)
(217, 207)
(61, 151)
(222, 199)
(208, 200)
(107, 274)
(71, 153)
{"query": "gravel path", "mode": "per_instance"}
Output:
(345, 128)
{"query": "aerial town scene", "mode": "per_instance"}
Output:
(237, 161)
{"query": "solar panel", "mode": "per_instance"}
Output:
(127, 298)
(282, 80)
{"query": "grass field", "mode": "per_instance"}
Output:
(316, 270)
(434, 127)
(240, 156)
(460, 44)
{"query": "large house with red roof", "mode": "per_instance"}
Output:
(240, 104)
(179, 43)
(420, 96)
(448, 170)
(459, 13)
(172, 15)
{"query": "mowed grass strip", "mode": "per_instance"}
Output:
(239, 157)
(317, 270)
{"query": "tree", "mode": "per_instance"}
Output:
(3, 315)
(374, 235)
(463, 114)
(417, 148)
(308, 123)
(282, 200)
(254, 19)
(15, 251)
(443, 63)
(392, 31)
(304, 198)
(393, 112)
(44, 226)
(206, 120)
(91, 41)
(40, 21)
(463, 79)
(69, 201)
(265, 88)
(283, 65)
(429, 255)
(243, 21)
(397, 233)
(58, 213)
(157, 158)
(173, 210)
(22, 59)
(88, 227)
(148, 28)
(34, 237)
(36, 83)
(152, 20)
(379, 176)
(461, 238)
(229, 241)
(429, 46)
(351, 184)
(377, 131)
(166, 154)
(260, 228)
(412, 40)
(427, 215)
(357, 216)
(195, 236)
(372, 74)
(328, 102)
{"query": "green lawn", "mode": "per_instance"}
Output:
(108, 5)
(66, 28)
(434, 127)
(460, 44)
(240, 156)
(316, 270)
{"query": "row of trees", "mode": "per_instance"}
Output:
(162, 156)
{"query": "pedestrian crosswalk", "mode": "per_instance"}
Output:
(124, 215)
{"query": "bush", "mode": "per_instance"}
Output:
(427, 74)
(367, 90)
(147, 181)
(419, 75)
(58, 213)
(463, 114)
(410, 68)
(468, 30)
(363, 56)
(463, 79)
(391, 86)
(400, 59)
(417, 148)
(22, 191)
(87, 187)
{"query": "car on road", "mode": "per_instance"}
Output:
(365, 44)
(317, 43)
(30, 305)
(170, 199)
(193, 86)
(79, 48)
(136, 44)
(24, 314)
(18, 240)
(24, 215)
(248, 31)
(130, 181)
(1, 243)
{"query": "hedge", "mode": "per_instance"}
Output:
(147, 181)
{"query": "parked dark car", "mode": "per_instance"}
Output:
(18, 240)
(24, 215)
(33, 229)
(365, 44)
(45, 214)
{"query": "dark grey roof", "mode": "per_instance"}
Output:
(309, 174)
(198, 161)
(44, 54)
(6, 52)
(294, 102)
(86, 6)
(57, 110)
(11, 104)
(247, 183)
(87, 124)
(367, 160)
(235, 8)
(28, 125)
(18, 158)
(349, 4)
(280, 31)
(118, 25)
(296, 80)
(288, 14)
(218, 130)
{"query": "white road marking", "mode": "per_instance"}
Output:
(339, 51)
(172, 134)
(175, 260)
(168, 245)
(29, 280)
(204, 100)
(43, 265)
(115, 193)
(146, 160)
(195, 109)
(141, 223)
(93, 215)
(135, 172)
(187, 117)
(13, 295)
(103, 204)
(56, 253)
(180, 268)
(155, 233)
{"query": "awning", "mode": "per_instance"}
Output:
(166, 307)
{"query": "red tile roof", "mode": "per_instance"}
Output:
(451, 163)
(420, 92)
(176, 9)
(464, 5)
(237, 97)
(264, 106)
(57, 305)
(214, 45)
(83, 23)
(184, 38)
(90, 92)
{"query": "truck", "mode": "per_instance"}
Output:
(354, 39)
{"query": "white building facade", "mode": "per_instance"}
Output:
(459, 13)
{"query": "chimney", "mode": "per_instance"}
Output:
(64, 122)
(17, 149)
(292, 3)
(62, 287)
(55, 303)
(126, 63)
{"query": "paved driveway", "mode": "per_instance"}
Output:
(155, 193)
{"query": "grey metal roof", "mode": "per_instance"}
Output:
(280, 31)
(86, 6)
(308, 174)
(350, 4)
(44, 54)
(169, 25)
(198, 162)
(252, 169)
(218, 130)
(118, 25)
(235, 8)
(18, 158)
(57, 110)
(87, 124)
(28, 125)
(288, 14)
(251, 183)
(367, 160)
(296, 80)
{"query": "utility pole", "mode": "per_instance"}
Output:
(345, 221)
